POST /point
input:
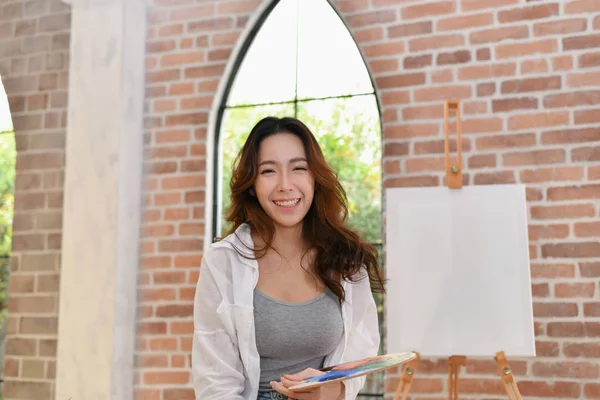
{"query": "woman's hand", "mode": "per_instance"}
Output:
(327, 391)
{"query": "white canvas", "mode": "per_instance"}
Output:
(457, 263)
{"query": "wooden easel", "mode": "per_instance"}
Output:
(454, 180)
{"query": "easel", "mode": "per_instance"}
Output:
(454, 180)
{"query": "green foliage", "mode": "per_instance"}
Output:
(7, 180)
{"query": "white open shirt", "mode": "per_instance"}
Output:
(225, 361)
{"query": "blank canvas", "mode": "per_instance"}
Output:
(457, 263)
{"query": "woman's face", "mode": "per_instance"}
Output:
(284, 186)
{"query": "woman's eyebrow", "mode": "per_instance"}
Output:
(293, 160)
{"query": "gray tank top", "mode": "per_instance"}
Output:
(291, 337)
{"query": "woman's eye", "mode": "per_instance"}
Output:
(300, 169)
(266, 171)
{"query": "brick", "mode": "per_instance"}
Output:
(182, 58)
(569, 250)
(174, 311)
(400, 80)
(531, 84)
(435, 42)
(441, 93)
(390, 97)
(423, 112)
(238, 7)
(563, 290)
(14, 389)
(385, 65)
(589, 191)
(592, 390)
(425, 164)
(557, 389)
(39, 325)
(210, 25)
(428, 9)
(552, 271)
(562, 212)
(546, 119)
(486, 89)
(516, 103)
(534, 157)
(582, 79)
(456, 57)
(537, 232)
(482, 125)
(484, 54)
(494, 178)
(540, 290)
(582, 6)
(487, 71)
(413, 62)
(580, 370)
(528, 13)
(166, 377)
(472, 5)
(493, 35)
(406, 131)
(21, 283)
(572, 99)
(177, 394)
(553, 174)
(368, 35)
(547, 349)
(587, 116)
(591, 309)
(475, 107)
(524, 49)
(582, 349)
(465, 22)
(589, 60)
(391, 167)
(410, 29)
(571, 136)
(589, 270)
(560, 27)
(587, 229)
(411, 181)
(505, 141)
(534, 66)
(371, 18)
(384, 49)
(581, 42)
(553, 310)
(482, 161)
(573, 329)
(437, 146)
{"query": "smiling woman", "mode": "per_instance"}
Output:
(289, 289)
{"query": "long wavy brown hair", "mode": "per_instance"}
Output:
(340, 251)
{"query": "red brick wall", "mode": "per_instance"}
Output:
(34, 45)
(525, 72)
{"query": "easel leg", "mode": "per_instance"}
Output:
(454, 364)
(406, 380)
(507, 376)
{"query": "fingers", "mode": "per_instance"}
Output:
(278, 387)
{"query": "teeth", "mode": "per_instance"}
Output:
(289, 203)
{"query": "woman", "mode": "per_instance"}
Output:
(288, 290)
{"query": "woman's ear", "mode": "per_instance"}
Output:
(252, 192)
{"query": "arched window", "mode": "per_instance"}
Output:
(301, 61)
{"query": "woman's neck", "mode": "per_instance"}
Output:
(289, 241)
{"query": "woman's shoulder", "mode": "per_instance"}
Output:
(233, 248)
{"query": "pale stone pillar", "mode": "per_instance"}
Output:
(103, 201)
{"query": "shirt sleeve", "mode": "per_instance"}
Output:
(363, 338)
(217, 370)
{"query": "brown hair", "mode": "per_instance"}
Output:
(340, 252)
